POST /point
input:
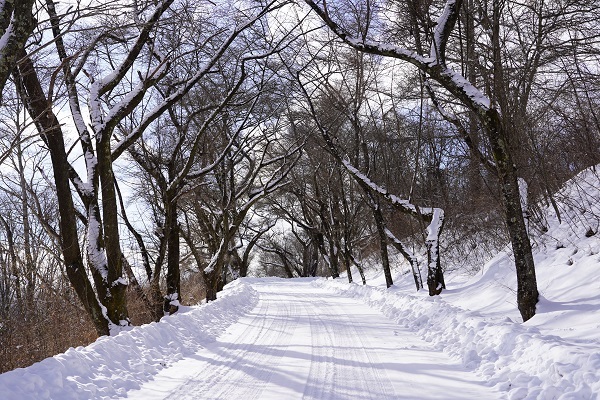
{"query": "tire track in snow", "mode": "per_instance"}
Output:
(255, 368)
(346, 351)
(206, 384)
(322, 370)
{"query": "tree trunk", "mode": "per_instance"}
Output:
(348, 264)
(435, 274)
(334, 262)
(310, 258)
(360, 269)
(17, 23)
(212, 279)
(49, 127)
(212, 273)
(527, 293)
(385, 261)
(171, 301)
(116, 299)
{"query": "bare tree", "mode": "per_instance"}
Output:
(434, 65)
(117, 99)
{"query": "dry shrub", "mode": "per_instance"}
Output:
(193, 289)
(138, 308)
(54, 324)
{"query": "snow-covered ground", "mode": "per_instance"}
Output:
(280, 339)
(556, 354)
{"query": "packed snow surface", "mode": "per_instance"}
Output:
(328, 339)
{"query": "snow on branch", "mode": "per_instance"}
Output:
(405, 205)
(444, 26)
(400, 246)
(107, 83)
(179, 94)
(435, 226)
(434, 65)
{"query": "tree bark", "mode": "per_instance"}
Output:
(527, 292)
(16, 16)
(171, 301)
(115, 300)
(385, 261)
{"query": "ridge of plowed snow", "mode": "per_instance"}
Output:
(111, 366)
(554, 355)
(515, 358)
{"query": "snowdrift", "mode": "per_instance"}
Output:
(556, 354)
(111, 366)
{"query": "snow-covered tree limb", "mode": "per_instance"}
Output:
(16, 25)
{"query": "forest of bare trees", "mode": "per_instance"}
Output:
(152, 151)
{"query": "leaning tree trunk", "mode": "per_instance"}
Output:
(527, 293)
(360, 268)
(435, 274)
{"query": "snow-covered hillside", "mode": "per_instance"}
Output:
(555, 355)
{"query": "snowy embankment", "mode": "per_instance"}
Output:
(111, 366)
(556, 354)
(513, 357)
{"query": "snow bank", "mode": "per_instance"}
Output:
(111, 366)
(515, 358)
(554, 355)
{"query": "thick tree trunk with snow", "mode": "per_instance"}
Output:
(49, 127)
(115, 299)
(435, 274)
(16, 25)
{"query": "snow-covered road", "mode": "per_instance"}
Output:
(303, 342)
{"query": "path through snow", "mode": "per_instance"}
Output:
(301, 341)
